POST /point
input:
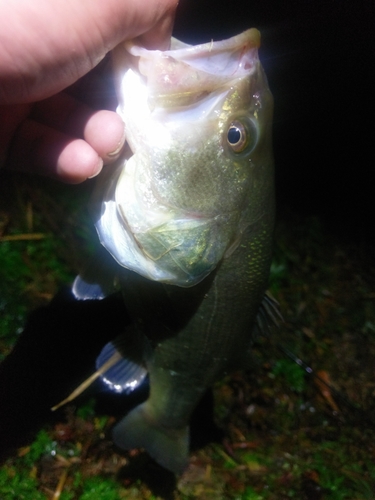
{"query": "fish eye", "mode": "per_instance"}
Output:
(241, 135)
(237, 136)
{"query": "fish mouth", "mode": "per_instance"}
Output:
(187, 73)
(224, 58)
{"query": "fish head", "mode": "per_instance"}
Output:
(198, 124)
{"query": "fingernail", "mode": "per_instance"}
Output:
(119, 147)
(98, 169)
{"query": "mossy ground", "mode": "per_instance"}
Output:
(286, 433)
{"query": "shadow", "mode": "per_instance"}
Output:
(203, 429)
(55, 352)
(161, 482)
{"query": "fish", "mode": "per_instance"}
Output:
(185, 219)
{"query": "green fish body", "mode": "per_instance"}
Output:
(189, 217)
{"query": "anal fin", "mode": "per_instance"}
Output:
(123, 376)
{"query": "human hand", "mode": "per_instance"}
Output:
(47, 45)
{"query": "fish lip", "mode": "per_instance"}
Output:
(216, 63)
(249, 39)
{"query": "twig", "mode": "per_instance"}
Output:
(24, 237)
(60, 484)
(86, 383)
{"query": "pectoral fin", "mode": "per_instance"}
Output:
(169, 447)
(98, 279)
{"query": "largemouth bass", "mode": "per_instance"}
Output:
(188, 215)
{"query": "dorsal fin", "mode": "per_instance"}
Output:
(268, 317)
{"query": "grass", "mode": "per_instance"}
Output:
(287, 435)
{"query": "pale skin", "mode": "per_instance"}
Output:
(46, 46)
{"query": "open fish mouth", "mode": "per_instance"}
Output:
(174, 72)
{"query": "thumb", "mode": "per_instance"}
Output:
(46, 45)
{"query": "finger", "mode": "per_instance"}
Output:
(103, 130)
(37, 148)
(159, 36)
(46, 46)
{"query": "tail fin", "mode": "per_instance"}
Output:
(169, 447)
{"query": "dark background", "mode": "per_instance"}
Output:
(319, 59)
